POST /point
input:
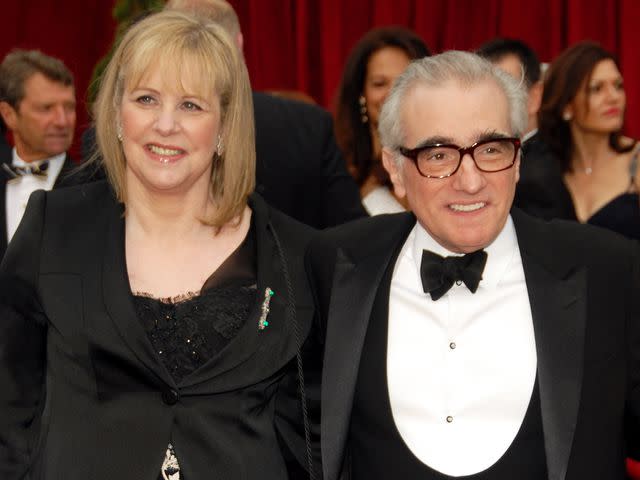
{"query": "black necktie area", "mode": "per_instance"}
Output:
(439, 273)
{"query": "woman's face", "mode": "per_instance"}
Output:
(599, 105)
(169, 134)
(383, 67)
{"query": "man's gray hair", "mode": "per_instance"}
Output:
(465, 68)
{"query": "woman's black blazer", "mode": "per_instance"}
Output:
(83, 395)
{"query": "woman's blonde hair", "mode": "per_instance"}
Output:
(181, 45)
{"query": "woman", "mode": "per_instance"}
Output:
(372, 66)
(581, 120)
(152, 324)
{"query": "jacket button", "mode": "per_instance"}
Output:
(170, 396)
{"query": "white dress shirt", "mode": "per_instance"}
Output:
(19, 189)
(460, 370)
(381, 200)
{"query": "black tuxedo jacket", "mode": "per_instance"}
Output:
(583, 285)
(85, 396)
(6, 157)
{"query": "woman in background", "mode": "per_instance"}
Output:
(581, 120)
(371, 68)
(151, 326)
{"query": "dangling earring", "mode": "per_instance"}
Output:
(566, 116)
(219, 146)
(119, 132)
(364, 118)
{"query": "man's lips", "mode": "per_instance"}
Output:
(467, 207)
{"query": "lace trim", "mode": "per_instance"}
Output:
(182, 297)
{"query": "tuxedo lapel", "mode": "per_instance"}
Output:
(557, 294)
(357, 275)
(3, 203)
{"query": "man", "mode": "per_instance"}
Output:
(540, 190)
(520, 61)
(38, 105)
(515, 356)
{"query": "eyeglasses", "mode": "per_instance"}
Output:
(443, 160)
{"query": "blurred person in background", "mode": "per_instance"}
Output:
(581, 121)
(152, 324)
(521, 62)
(539, 191)
(371, 68)
(38, 105)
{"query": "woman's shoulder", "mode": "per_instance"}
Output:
(80, 195)
(81, 203)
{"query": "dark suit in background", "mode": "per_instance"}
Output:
(541, 191)
(299, 168)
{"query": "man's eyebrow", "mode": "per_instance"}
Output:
(435, 140)
(442, 140)
(492, 135)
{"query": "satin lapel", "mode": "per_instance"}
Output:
(273, 346)
(557, 294)
(354, 288)
(3, 215)
(118, 299)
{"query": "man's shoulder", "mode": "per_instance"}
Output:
(79, 199)
(566, 242)
(368, 233)
(267, 106)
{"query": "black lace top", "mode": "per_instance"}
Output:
(191, 328)
(188, 330)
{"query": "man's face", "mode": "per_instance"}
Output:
(44, 121)
(466, 211)
(511, 64)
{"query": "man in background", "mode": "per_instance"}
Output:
(520, 61)
(540, 191)
(38, 105)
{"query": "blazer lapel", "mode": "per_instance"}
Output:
(354, 288)
(118, 299)
(272, 347)
(557, 293)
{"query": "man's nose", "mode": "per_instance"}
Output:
(468, 178)
(62, 116)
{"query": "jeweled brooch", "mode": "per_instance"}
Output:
(262, 322)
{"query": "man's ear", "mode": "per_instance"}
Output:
(395, 172)
(8, 115)
(535, 98)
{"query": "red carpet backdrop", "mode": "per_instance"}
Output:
(302, 44)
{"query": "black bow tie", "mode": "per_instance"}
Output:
(12, 171)
(438, 273)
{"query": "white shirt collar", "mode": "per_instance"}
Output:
(18, 162)
(528, 135)
(499, 253)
